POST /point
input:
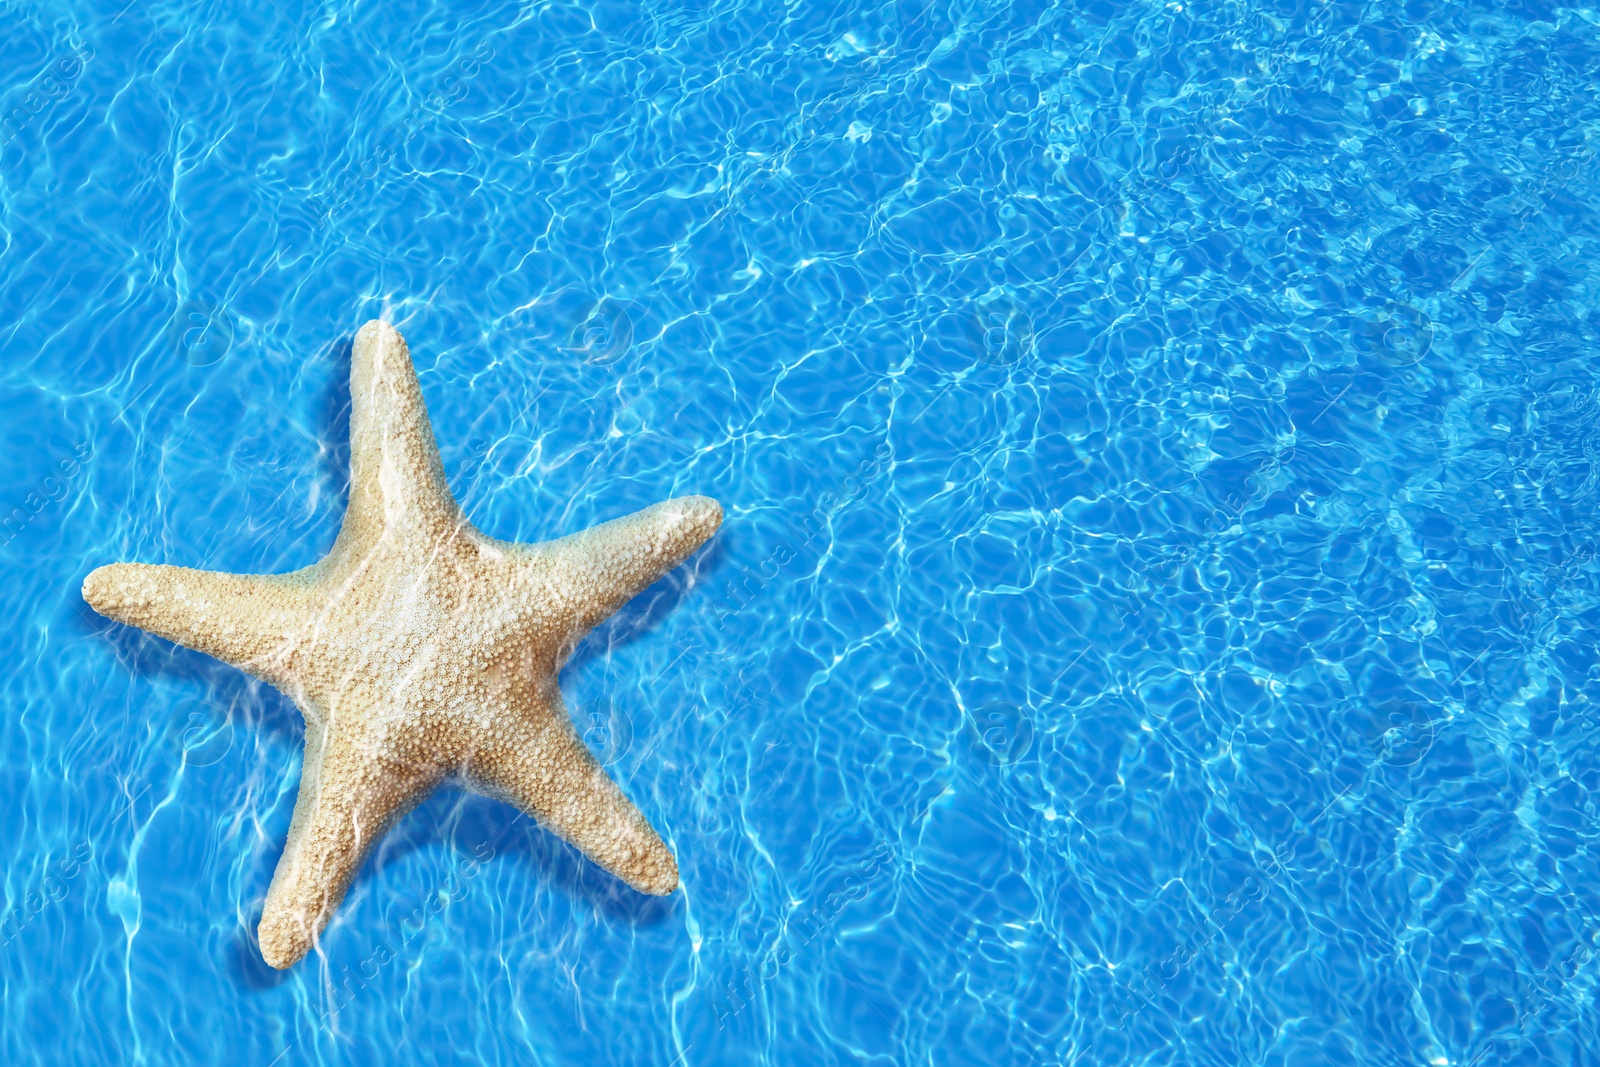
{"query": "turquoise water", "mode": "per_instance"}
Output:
(1154, 619)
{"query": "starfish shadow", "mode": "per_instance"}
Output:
(244, 957)
(333, 420)
(261, 708)
(265, 708)
(467, 823)
(472, 829)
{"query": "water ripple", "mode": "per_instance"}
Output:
(1158, 444)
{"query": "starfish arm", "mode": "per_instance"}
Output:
(347, 802)
(602, 568)
(251, 621)
(397, 484)
(543, 768)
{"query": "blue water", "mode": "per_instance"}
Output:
(1154, 620)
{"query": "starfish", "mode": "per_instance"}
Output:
(420, 651)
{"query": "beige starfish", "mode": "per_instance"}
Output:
(420, 651)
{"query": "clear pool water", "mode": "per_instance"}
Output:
(1155, 617)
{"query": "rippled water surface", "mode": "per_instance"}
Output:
(1154, 620)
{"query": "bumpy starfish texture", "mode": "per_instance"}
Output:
(420, 651)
